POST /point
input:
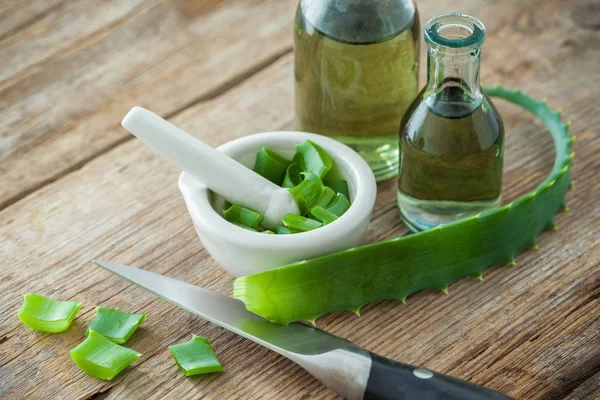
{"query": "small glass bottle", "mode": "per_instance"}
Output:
(452, 137)
(356, 73)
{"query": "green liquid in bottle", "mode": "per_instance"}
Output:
(356, 87)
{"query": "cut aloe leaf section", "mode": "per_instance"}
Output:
(292, 176)
(312, 158)
(307, 192)
(338, 186)
(299, 223)
(195, 357)
(115, 325)
(323, 215)
(271, 165)
(242, 216)
(97, 356)
(47, 315)
(339, 206)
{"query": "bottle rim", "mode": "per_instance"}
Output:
(455, 30)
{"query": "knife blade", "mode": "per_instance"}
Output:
(345, 368)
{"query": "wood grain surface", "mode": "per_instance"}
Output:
(75, 186)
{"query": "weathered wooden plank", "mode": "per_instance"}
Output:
(16, 14)
(57, 31)
(165, 57)
(530, 330)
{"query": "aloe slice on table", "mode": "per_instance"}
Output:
(99, 357)
(395, 268)
(310, 157)
(338, 186)
(271, 165)
(47, 315)
(115, 325)
(242, 216)
(299, 223)
(195, 357)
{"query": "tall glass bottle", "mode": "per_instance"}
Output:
(452, 137)
(356, 73)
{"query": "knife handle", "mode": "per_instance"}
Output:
(389, 380)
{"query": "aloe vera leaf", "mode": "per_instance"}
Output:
(323, 215)
(47, 315)
(338, 186)
(393, 269)
(271, 165)
(307, 192)
(300, 224)
(292, 176)
(242, 216)
(339, 206)
(115, 325)
(310, 157)
(195, 356)
(101, 358)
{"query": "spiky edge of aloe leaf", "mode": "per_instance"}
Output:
(393, 269)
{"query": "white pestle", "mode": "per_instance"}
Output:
(221, 174)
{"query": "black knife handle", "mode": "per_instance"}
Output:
(391, 380)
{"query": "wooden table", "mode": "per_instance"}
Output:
(75, 186)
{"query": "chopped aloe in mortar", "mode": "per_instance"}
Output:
(338, 186)
(195, 357)
(242, 215)
(115, 325)
(300, 223)
(303, 177)
(271, 165)
(99, 357)
(47, 315)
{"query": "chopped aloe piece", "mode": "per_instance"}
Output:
(282, 230)
(115, 325)
(312, 158)
(338, 186)
(268, 232)
(99, 357)
(271, 165)
(244, 226)
(325, 198)
(323, 215)
(195, 357)
(47, 315)
(292, 176)
(307, 192)
(339, 206)
(300, 223)
(242, 215)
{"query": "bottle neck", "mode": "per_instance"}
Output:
(447, 68)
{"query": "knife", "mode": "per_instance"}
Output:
(345, 368)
